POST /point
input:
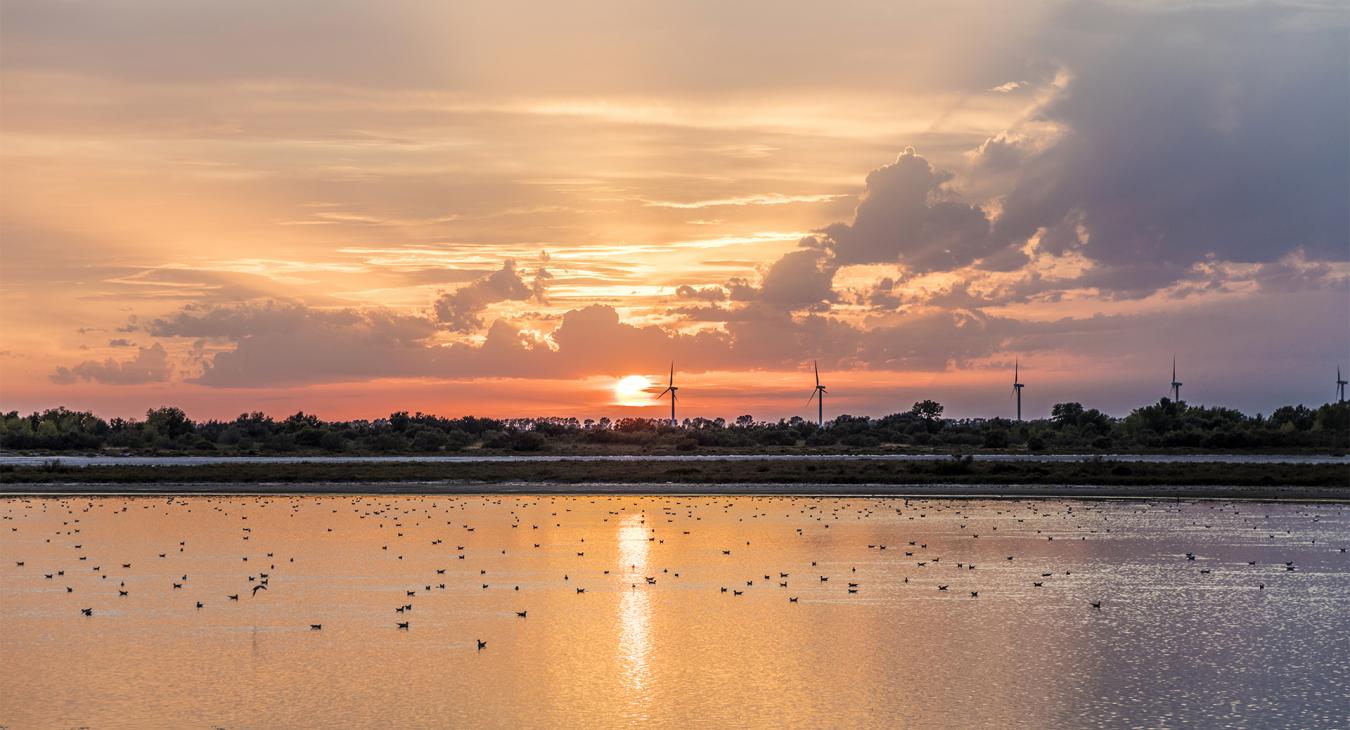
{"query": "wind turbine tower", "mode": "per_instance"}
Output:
(1017, 387)
(671, 389)
(1176, 385)
(819, 395)
(1340, 386)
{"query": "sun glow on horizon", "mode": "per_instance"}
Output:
(631, 390)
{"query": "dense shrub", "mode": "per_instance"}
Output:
(1071, 426)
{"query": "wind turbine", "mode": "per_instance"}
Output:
(819, 395)
(1017, 387)
(1176, 386)
(671, 389)
(1340, 386)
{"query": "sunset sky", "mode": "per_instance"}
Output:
(502, 208)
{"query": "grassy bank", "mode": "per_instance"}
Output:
(827, 471)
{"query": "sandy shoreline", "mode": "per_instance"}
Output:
(987, 491)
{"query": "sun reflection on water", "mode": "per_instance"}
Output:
(634, 606)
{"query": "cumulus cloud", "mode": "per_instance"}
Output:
(151, 365)
(705, 293)
(459, 310)
(1000, 153)
(801, 279)
(276, 346)
(908, 215)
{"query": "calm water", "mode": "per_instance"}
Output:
(25, 460)
(1170, 645)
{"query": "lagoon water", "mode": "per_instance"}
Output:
(1176, 642)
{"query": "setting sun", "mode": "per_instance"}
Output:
(632, 391)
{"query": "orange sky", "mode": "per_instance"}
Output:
(502, 208)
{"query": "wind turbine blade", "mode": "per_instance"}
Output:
(817, 367)
(672, 372)
(811, 397)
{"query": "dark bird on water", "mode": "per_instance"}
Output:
(521, 613)
(403, 624)
(234, 597)
(259, 587)
(315, 627)
(87, 611)
(481, 644)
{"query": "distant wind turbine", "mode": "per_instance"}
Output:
(671, 389)
(1340, 386)
(1017, 387)
(1176, 385)
(819, 395)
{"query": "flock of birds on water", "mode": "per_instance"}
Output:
(404, 520)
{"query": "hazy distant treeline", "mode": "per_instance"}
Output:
(1162, 425)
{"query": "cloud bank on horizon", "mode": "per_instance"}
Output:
(335, 205)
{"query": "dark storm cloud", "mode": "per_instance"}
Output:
(1203, 132)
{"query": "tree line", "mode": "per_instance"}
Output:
(1161, 425)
